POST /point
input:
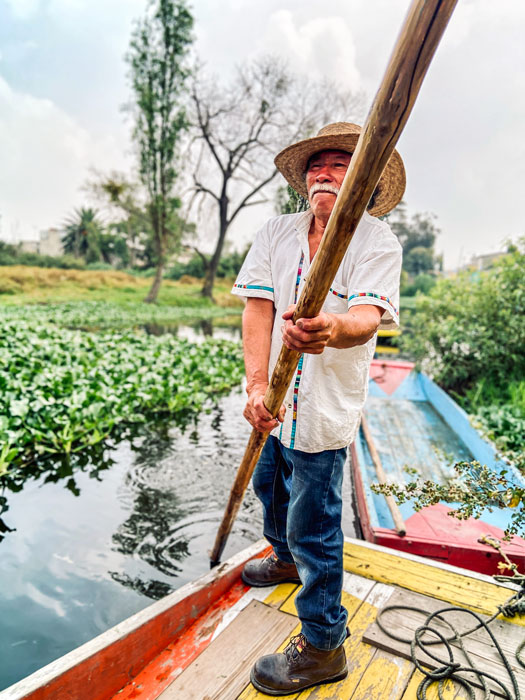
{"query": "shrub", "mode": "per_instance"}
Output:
(471, 328)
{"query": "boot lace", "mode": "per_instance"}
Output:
(295, 647)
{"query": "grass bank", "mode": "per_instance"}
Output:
(29, 285)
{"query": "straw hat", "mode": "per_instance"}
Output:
(341, 136)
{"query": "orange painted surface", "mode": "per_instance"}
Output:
(172, 661)
(101, 675)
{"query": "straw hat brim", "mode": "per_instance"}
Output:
(293, 160)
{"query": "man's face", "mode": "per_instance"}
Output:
(324, 177)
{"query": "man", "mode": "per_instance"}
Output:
(299, 474)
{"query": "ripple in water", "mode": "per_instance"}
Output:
(177, 489)
(75, 565)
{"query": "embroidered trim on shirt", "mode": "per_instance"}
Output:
(341, 296)
(300, 365)
(295, 395)
(299, 273)
(372, 294)
(253, 286)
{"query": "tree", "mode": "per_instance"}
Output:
(158, 61)
(238, 129)
(289, 201)
(417, 236)
(131, 222)
(83, 231)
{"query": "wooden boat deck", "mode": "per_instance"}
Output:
(213, 658)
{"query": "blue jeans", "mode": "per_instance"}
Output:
(302, 504)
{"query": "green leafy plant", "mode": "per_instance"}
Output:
(468, 335)
(475, 488)
(62, 391)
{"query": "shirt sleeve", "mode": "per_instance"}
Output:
(255, 276)
(375, 278)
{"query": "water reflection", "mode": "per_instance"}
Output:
(227, 328)
(96, 538)
(143, 533)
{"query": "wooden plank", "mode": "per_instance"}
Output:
(479, 646)
(223, 668)
(421, 576)
(172, 661)
(358, 654)
(273, 596)
(450, 691)
(386, 677)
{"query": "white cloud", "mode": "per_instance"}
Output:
(45, 160)
(322, 47)
(23, 9)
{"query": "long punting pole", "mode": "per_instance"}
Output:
(399, 523)
(420, 35)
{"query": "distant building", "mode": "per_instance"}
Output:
(49, 243)
(483, 262)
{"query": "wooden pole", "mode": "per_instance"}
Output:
(420, 35)
(399, 523)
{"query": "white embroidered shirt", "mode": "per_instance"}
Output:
(325, 398)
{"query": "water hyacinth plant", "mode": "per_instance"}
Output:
(64, 390)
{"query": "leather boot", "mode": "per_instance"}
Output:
(269, 571)
(300, 666)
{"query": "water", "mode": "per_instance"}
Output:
(91, 545)
(142, 524)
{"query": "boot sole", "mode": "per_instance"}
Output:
(260, 584)
(271, 691)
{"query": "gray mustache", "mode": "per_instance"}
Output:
(322, 187)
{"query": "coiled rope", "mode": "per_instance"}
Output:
(448, 669)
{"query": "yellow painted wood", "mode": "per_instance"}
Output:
(449, 692)
(358, 655)
(386, 677)
(390, 568)
(280, 594)
(388, 334)
(350, 602)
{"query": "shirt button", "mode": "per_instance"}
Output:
(289, 405)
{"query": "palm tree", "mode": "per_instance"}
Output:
(82, 233)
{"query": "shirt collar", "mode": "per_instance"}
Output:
(302, 226)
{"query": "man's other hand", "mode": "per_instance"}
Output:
(256, 412)
(310, 335)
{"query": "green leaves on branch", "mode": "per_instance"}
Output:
(471, 328)
(475, 488)
(469, 336)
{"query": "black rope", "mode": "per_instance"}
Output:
(448, 668)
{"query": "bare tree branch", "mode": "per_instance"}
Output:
(243, 125)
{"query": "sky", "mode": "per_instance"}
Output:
(63, 81)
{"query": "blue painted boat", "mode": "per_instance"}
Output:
(415, 424)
